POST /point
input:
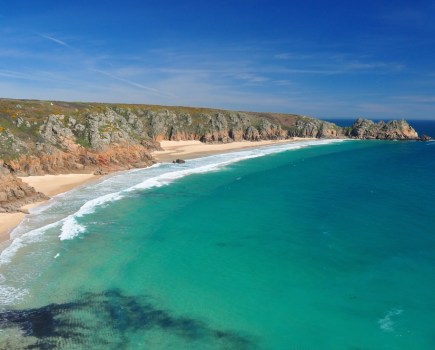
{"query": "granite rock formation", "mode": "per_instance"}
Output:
(392, 130)
(14, 193)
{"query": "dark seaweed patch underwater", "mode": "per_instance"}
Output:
(107, 320)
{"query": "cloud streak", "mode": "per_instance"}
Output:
(13, 75)
(267, 79)
(134, 84)
(54, 40)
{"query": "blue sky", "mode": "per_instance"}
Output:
(328, 59)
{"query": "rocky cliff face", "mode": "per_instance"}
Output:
(104, 142)
(41, 137)
(210, 126)
(392, 130)
(308, 127)
(14, 193)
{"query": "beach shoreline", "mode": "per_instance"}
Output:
(52, 185)
(173, 150)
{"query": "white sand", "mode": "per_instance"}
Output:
(50, 185)
(192, 149)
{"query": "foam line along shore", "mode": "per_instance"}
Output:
(52, 185)
(60, 217)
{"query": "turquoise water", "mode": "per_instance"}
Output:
(320, 246)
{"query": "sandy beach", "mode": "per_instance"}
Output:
(193, 149)
(50, 185)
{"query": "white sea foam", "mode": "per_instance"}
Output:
(10, 295)
(70, 226)
(19, 242)
(61, 217)
(156, 176)
(386, 323)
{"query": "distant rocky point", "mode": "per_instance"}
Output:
(392, 130)
(50, 137)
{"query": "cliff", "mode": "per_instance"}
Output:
(14, 193)
(393, 130)
(43, 137)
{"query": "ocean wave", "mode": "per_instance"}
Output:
(70, 227)
(60, 218)
(19, 242)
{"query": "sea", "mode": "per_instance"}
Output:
(324, 244)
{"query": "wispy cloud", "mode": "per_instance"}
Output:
(415, 99)
(379, 108)
(53, 39)
(373, 65)
(133, 83)
(251, 78)
(283, 82)
(312, 82)
(282, 56)
(293, 56)
(13, 75)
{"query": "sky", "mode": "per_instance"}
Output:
(327, 59)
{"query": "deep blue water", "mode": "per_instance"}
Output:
(326, 246)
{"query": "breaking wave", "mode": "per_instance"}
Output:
(59, 218)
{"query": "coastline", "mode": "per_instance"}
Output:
(52, 185)
(194, 149)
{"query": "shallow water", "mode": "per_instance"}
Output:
(323, 245)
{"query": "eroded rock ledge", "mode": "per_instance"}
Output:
(14, 193)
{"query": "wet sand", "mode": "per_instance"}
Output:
(50, 185)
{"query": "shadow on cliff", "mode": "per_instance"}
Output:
(107, 319)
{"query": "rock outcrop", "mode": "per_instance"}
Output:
(392, 130)
(14, 193)
(309, 127)
(40, 137)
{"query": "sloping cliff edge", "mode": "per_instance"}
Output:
(52, 137)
